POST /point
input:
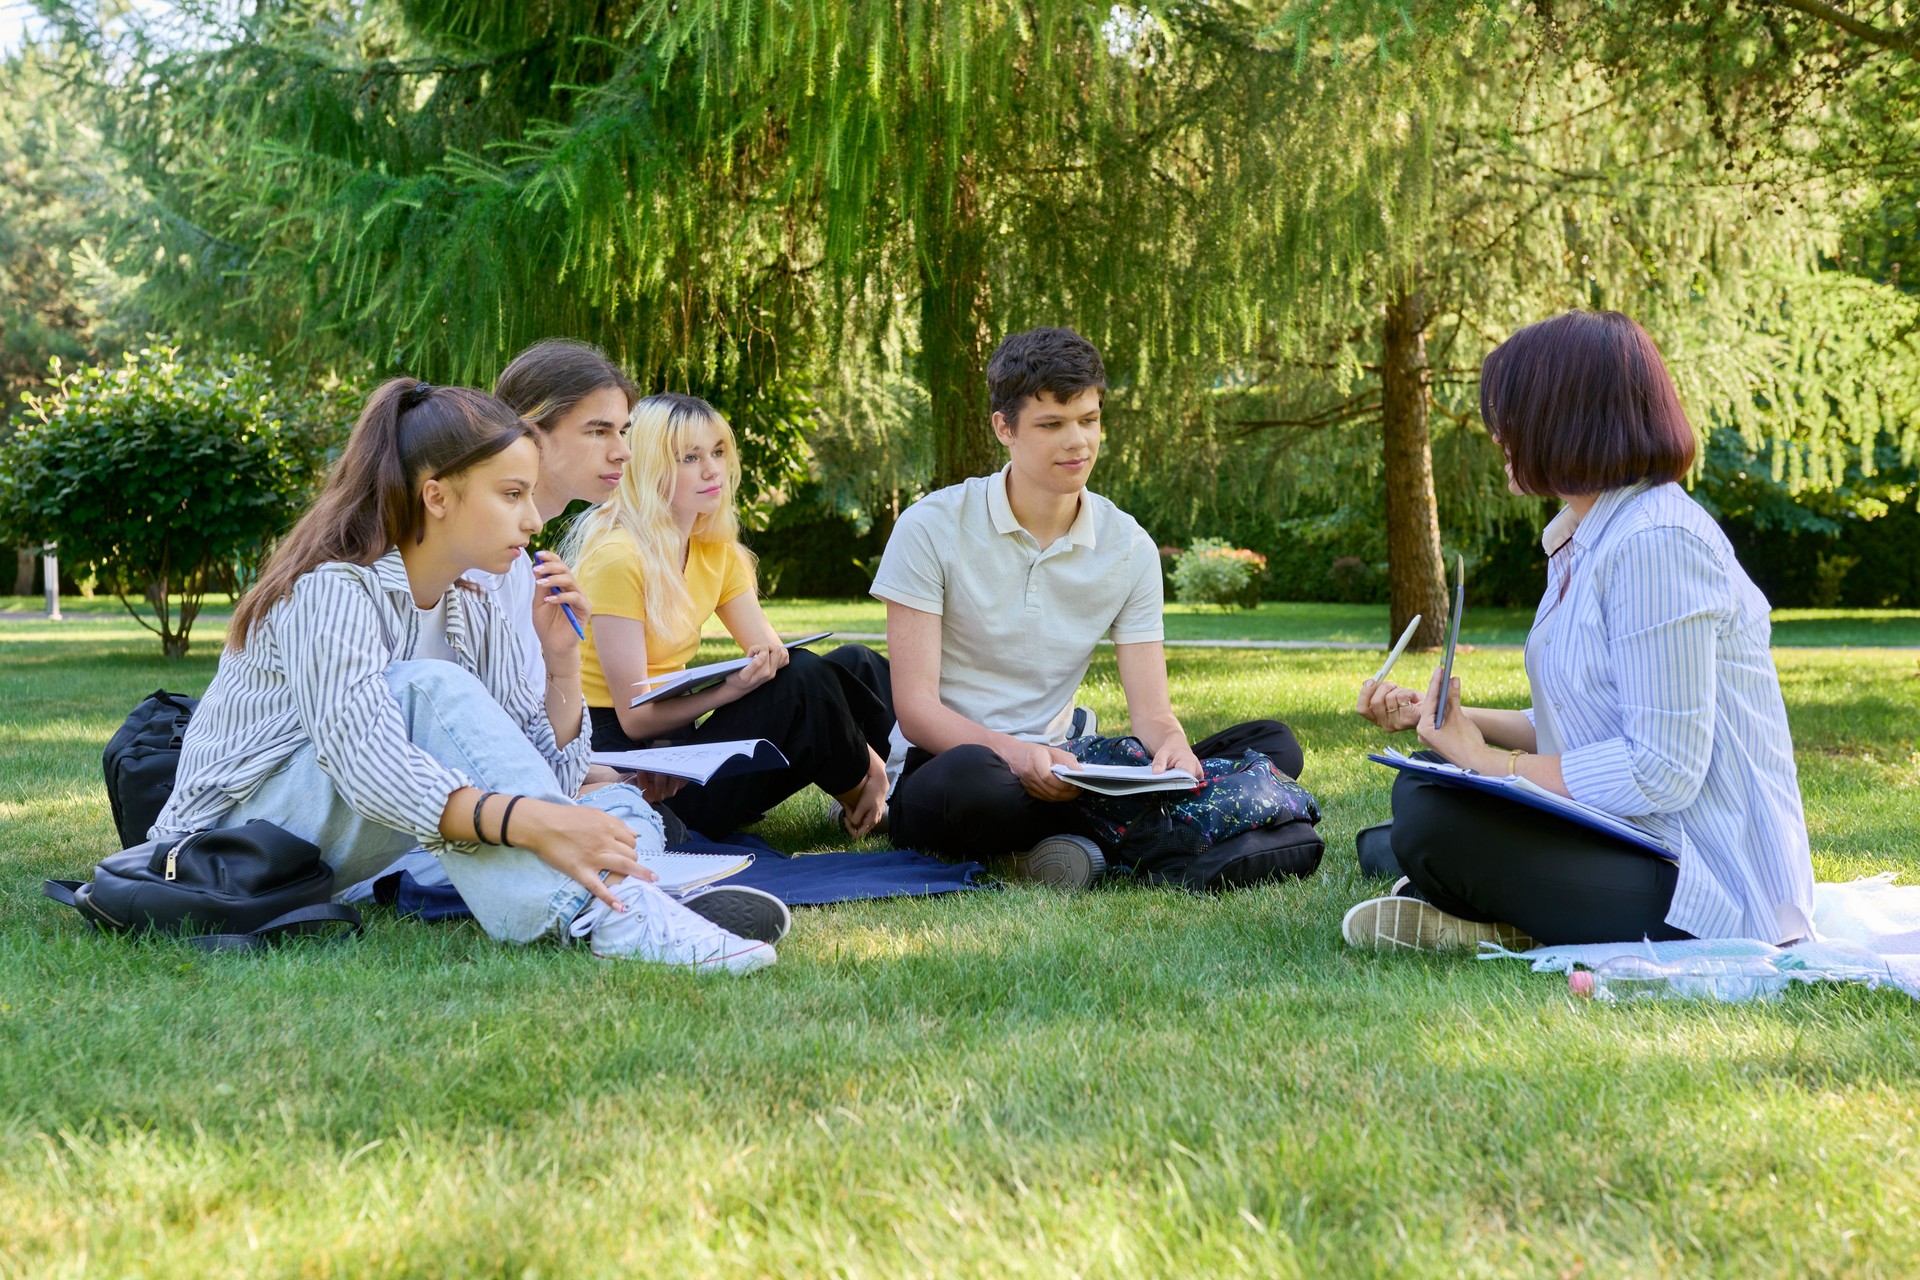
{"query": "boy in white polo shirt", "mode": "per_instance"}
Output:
(997, 590)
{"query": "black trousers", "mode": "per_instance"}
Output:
(822, 712)
(966, 803)
(1481, 857)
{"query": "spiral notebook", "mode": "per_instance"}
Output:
(679, 872)
(678, 684)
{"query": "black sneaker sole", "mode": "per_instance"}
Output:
(745, 913)
(1069, 862)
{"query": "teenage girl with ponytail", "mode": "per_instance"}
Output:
(367, 700)
(660, 557)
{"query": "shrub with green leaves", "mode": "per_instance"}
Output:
(165, 476)
(1215, 572)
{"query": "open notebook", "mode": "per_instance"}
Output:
(700, 762)
(679, 872)
(1124, 779)
(676, 684)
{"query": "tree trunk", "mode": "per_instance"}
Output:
(954, 339)
(1416, 579)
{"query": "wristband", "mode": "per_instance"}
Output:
(477, 805)
(507, 817)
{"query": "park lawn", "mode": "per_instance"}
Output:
(1303, 623)
(1125, 1082)
(1290, 621)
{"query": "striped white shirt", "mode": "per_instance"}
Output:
(1653, 681)
(314, 670)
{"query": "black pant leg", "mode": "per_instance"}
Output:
(867, 681)
(1485, 858)
(1269, 737)
(966, 803)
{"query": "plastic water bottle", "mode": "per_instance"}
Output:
(1730, 980)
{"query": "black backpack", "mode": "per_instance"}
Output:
(140, 762)
(227, 889)
(1156, 849)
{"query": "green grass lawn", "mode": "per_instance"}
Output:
(1121, 1083)
(1274, 620)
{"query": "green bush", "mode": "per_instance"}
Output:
(163, 476)
(1213, 572)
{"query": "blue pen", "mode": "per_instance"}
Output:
(566, 608)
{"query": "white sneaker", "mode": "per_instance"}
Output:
(656, 928)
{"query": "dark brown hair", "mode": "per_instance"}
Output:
(1582, 403)
(543, 383)
(1057, 361)
(408, 433)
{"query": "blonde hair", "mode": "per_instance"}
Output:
(658, 430)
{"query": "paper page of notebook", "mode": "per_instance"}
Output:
(690, 678)
(1124, 779)
(679, 871)
(1122, 772)
(697, 762)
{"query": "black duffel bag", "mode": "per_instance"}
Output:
(141, 759)
(228, 889)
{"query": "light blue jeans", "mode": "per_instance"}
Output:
(450, 715)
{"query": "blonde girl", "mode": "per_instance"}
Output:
(659, 558)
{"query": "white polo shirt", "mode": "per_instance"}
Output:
(1019, 621)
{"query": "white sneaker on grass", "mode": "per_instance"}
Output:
(1414, 924)
(657, 929)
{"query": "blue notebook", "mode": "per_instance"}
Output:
(1521, 791)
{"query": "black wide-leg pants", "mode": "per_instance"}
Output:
(1481, 857)
(822, 712)
(966, 802)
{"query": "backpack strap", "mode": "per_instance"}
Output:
(301, 922)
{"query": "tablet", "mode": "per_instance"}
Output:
(1453, 639)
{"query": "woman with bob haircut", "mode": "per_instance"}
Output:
(1654, 694)
(659, 558)
(369, 699)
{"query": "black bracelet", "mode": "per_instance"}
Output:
(484, 797)
(507, 817)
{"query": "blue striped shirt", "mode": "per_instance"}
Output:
(314, 670)
(1653, 681)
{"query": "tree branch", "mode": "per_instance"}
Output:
(1354, 407)
(1898, 41)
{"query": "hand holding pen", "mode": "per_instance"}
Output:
(560, 611)
(1393, 707)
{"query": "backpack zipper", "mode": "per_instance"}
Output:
(173, 856)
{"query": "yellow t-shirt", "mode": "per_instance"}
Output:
(613, 580)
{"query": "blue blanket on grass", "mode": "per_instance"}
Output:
(804, 880)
